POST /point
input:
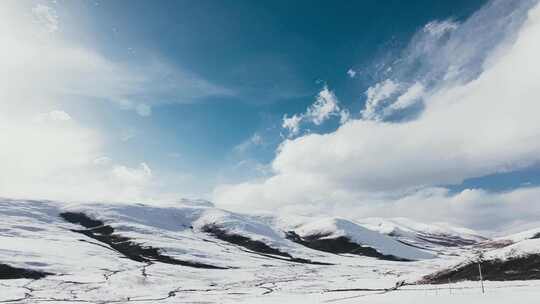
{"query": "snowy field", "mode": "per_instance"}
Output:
(283, 284)
(34, 236)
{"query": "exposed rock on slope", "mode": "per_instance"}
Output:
(9, 272)
(518, 268)
(105, 234)
(338, 235)
(520, 261)
(339, 245)
(247, 233)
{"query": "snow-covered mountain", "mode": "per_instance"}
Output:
(340, 235)
(521, 236)
(103, 253)
(519, 261)
(437, 237)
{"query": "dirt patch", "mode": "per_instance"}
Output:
(97, 230)
(339, 245)
(9, 272)
(253, 245)
(521, 268)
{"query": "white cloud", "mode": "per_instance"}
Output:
(344, 116)
(132, 175)
(255, 140)
(292, 124)
(504, 212)
(326, 105)
(102, 160)
(376, 95)
(468, 128)
(29, 57)
(351, 73)
(46, 16)
(411, 96)
(47, 154)
(438, 28)
(143, 110)
(55, 115)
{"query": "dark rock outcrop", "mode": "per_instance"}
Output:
(517, 268)
(339, 245)
(97, 230)
(254, 246)
(9, 272)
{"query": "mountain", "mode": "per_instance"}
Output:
(438, 237)
(338, 235)
(191, 251)
(519, 261)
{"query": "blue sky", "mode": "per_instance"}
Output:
(274, 57)
(314, 106)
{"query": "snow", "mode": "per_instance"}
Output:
(333, 227)
(521, 236)
(32, 235)
(240, 224)
(408, 227)
(519, 249)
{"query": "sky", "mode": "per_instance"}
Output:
(421, 109)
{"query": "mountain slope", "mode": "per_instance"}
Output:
(438, 237)
(520, 261)
(115, 253)
(339, 235)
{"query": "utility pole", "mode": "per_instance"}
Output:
(479, 260)
(480, 272)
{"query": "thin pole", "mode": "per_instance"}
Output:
(480, 272)
(449, 286)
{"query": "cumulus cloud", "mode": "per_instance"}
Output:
(292, 124)
(412, 95)
(479, 118)
(326, 105)
(490, 213)
(48, 153)
(376, 95)
(351, 73)
(46, 16)
(444, 54)
(514, 210)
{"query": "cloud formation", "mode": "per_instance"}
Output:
(46, 16)
(326, 105)
(50, 153)
(479, 118)
(33, 49)
(55, 115)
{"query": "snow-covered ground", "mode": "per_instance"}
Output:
(34, 236)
